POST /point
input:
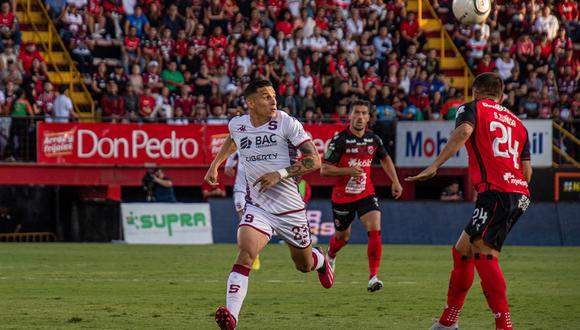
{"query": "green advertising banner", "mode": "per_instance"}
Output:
(166, 223)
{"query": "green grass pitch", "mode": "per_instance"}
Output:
(108, 286)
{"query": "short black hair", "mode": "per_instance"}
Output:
(488, 85)
(253, 87)
(62, 89)
(360, 103)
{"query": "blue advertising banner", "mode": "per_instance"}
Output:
(429, 222)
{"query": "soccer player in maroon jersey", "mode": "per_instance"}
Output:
(500, 168)
(349, 158)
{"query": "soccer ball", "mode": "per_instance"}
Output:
(471, 11)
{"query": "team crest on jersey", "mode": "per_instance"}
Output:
(371, 150)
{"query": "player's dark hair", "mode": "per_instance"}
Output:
(359, 103)
(488, 85)
(253, 87)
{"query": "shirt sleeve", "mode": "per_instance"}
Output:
(465, 114)
(231, 161)
(295, 132)
(526, 150)
(381, 152)
(335, 150)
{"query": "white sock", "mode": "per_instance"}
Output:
(318, 258)
(237, 289)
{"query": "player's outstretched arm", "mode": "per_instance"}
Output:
(457, 139)
(332, 170)
(228, 148)
(389, 168)
(310, 162)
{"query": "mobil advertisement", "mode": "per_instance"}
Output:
(166, 223)
(126, 144)
(419, 143)
(140, 144)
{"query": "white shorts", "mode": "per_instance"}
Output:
(292, 228)
(239, 200)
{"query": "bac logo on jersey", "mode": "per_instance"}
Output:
(245, 143)
(266, 141)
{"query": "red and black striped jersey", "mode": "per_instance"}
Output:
(349, 150)
(496, 148)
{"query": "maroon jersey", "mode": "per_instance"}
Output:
(348, 150)
(496, 148)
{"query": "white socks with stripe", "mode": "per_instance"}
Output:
(237, 289)
(318, 259)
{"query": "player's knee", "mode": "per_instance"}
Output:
(465, 250)
(343, 235)
(245, 258)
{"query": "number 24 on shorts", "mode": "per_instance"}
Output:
(479, 218)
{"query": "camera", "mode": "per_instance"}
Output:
(148, 183)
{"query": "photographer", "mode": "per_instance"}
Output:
(159, 188)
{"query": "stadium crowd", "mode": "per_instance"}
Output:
(188, 61)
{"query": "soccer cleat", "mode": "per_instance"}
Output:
(439, 326)
(331, 262)
(256, 263)
(375, 284)
(224, 319)
(325, 273)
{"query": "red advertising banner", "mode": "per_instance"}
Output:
(215, 135)
(322, 134)
(136, 144)
(120, 144)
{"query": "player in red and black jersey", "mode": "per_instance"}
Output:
(349, 158)
(500, 168)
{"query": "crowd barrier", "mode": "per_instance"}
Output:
(432, 222)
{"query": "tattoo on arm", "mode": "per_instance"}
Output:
(310, 162)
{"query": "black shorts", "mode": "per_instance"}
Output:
(495, 215)
(344, 213)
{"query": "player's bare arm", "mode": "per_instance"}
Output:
(527, 169)
(228, 148)
(310, 162)
(332, 170)
(456, 141)
(389, 168)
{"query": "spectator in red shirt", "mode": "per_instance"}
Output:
(8, 27)
(45, 101)
(28, 55)
(147, 105)
(485, 65)
(411, 33)
(218, 42)
(284, 23)
(112, 104)
(545, 46)
(321, 21)
(421, 101)
(185, 101)
(569, 14)
(131, 49)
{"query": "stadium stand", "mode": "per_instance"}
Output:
(188, 61)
